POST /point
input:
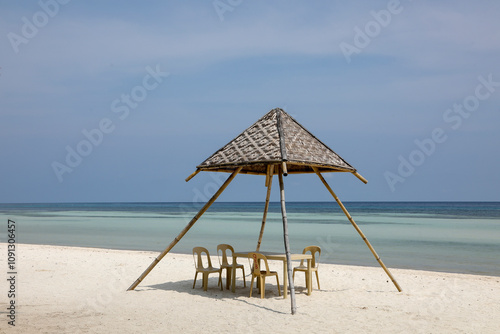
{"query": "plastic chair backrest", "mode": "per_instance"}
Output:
(222, 250)
(201, 262)
(315, 252)
(256, 264)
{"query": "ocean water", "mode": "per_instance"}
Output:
(459, 237)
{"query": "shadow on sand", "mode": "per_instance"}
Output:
(213, 291)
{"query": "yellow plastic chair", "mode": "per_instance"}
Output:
(255, 263)
(200, 268)
(316, 253)
(222, 253)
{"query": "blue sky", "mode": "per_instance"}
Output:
(408, 92)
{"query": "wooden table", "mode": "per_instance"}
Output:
(277, 257)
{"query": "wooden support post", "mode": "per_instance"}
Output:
(269, 182)
(379, 260)
(284, 169)
(184, 231)
(287, 244)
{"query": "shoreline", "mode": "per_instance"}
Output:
(375, 264)
(78, 289)
(409, 236)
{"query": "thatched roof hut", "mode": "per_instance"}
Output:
(275, 144)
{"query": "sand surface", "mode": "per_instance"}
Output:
(83, 290)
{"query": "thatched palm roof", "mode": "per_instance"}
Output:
(273, 139)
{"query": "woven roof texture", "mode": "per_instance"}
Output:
(273, 139)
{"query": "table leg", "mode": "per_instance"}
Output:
(233, 276)
(285, 279)
(229, 276)
(309, 277)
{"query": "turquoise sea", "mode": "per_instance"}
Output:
(440, 236)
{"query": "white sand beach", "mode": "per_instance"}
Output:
(83, 290)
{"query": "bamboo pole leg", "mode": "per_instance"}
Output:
(269, 179)
(184, 231)
(377, 257)
(287, 246)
